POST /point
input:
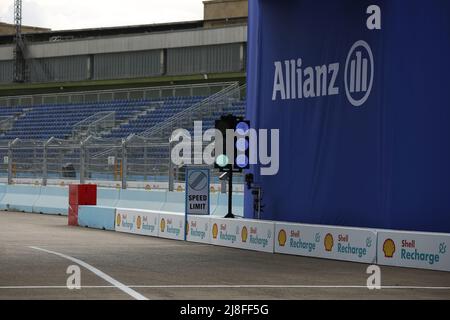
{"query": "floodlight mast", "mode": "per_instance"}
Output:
(19, 50)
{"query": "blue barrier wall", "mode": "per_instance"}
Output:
(97, 217)
(52, 200)
(107, 197)
(175, 202)
(20, 198)
(363, 113)
(222, 205)
(141, 199)
(2, 191)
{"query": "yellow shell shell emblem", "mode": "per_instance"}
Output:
(244, 234)
(215, 231)
(282, 238)
(162, 224)
(389, 248)
(139, 222)
(118, 220)
(328, 242)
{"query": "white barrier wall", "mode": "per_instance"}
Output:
(348, 244)
(199, 229)
(137, 221)
(243, 233)
(414, 250)
(171, 226)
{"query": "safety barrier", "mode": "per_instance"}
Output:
(108, 197)
(136, 221)
(175, 202)
(222, 205)
(2, 191)
(97, 217)
(52, 200)
(385, 247)
(141, 199)
(330, 242)
(414, 249)
(199, 229)
(247, 234)
(20, 198)
(172, 226)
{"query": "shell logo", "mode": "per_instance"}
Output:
(244, 234)
(118, 219)
(328, 242)
(215, 231)
(162, 224)
(389, 248)
(282, 238)
(138, 222)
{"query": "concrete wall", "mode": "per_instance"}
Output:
(6, 29)
(225, 9)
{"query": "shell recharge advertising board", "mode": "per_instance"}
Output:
(348, 244)
(137, 221)
(243, 234)
(414, 250)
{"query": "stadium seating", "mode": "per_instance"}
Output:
(162, 111)
(45, 121)
(132, 116)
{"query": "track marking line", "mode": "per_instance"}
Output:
(234, 287)
(101, 274)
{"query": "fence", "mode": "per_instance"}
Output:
(136, 162)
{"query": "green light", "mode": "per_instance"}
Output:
(222, 160)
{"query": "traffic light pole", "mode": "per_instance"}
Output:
(230, 194)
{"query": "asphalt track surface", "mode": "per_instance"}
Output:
(35, 252)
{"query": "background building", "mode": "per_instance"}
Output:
(207, 50)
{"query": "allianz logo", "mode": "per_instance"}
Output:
(294, 80)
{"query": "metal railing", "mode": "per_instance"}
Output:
(6, 123)
(206, 89)
(94, 125)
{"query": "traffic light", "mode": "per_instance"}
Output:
(242, 145)
(223, 159)
(235, 152)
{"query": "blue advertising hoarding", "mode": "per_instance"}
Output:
(360, 91)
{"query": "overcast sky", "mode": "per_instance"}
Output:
(75, 14)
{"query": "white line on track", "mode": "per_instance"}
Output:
(232, 287)
(104, 276)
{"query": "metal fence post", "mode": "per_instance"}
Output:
(10, 159)
(124, 163)
(44, 162)
(83, 159)
(171, 172)
(82, 155)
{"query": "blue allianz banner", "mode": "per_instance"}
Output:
(360, 91)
